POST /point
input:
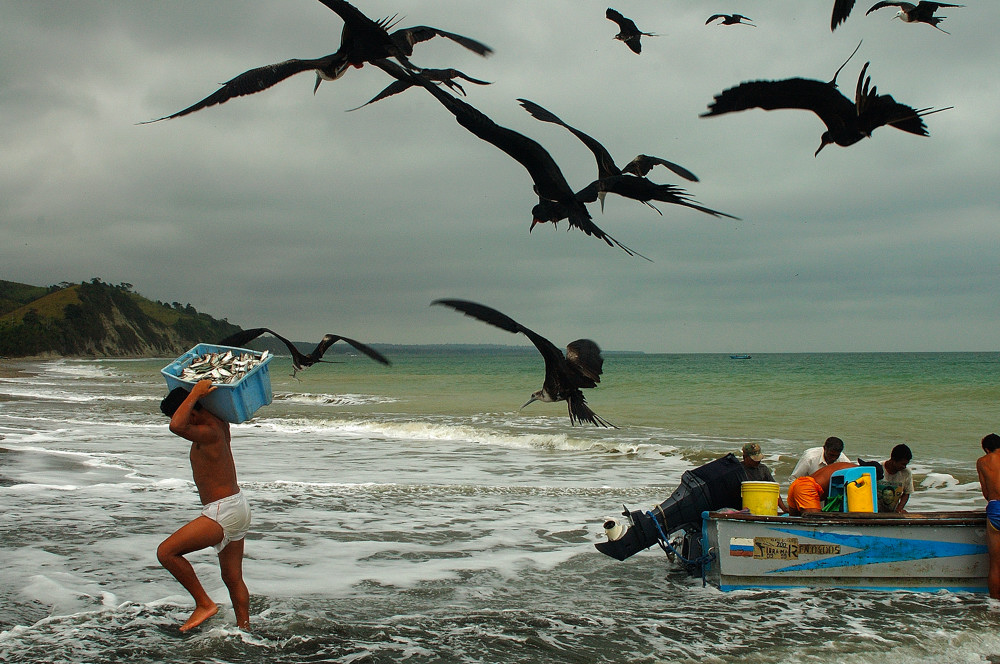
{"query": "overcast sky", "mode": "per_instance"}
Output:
(282, 210)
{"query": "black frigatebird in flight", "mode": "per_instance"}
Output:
(922, 12)
(611, 179)
(731, 19)
(362, 40)
(556, 199)
(628, 32)
(300, 360)
(565, 375)
(847, 121)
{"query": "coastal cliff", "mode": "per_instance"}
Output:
(97, 319)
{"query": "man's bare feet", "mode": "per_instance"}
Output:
(200, 615)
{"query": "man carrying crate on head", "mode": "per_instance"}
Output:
(225, 518)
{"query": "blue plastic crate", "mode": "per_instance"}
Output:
(233, 402)
(839, 479)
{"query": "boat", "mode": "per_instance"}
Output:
(703, 528)
(918, 551)
(740, 356)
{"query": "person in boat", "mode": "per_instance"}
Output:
(988, 467)
(832, 451)
(808, 494)
(225, 517)
(756, 470)
(895, 487)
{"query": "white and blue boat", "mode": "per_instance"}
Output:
(924, 551)
(702, 527)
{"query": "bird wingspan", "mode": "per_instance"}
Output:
(491, 316)
(407, 37)
(299, 360)
(644, 163)
(330, 339)
(252, 81)
(605, 163)
(820, 97)
(882, 5)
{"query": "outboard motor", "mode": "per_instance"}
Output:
(710, 487)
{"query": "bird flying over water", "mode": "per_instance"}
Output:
(556, 200)
(301, 361)
(847, 121)
(628, 32)
(611, 179)
(731, 19)
(565, 375)
(362, 40)
(922, 12)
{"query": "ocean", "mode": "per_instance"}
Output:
(413, 513)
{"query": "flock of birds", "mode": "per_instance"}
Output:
(365, 41)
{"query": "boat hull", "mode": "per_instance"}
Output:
(919, 551)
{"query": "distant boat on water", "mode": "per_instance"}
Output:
(741, 356)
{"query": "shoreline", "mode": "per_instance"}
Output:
(19, 368)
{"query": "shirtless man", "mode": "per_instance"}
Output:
(806, 494)
(988, 466)
(225, 518)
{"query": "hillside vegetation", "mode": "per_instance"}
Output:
(95, 318)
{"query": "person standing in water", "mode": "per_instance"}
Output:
(988, 467)
(225, 518)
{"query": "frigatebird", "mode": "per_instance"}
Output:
(605, 163)
(565, 375)
(731, 19)
(556, 200)
(362, 40)
(628, 32)
(611, 179)
(847, 121)
(444, 76)
(302, 361)
(841, 10)
(922, 12)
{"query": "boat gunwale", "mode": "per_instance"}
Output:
(944, 518)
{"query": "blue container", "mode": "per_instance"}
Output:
(839, 479)
(232, 402)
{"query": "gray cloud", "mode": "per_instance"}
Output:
(281, 209)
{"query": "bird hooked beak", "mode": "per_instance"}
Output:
(822, 145)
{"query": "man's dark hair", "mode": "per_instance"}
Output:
(991, 442)
(173, 401)
(834, 444)
(901, 452)
(879, 472)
